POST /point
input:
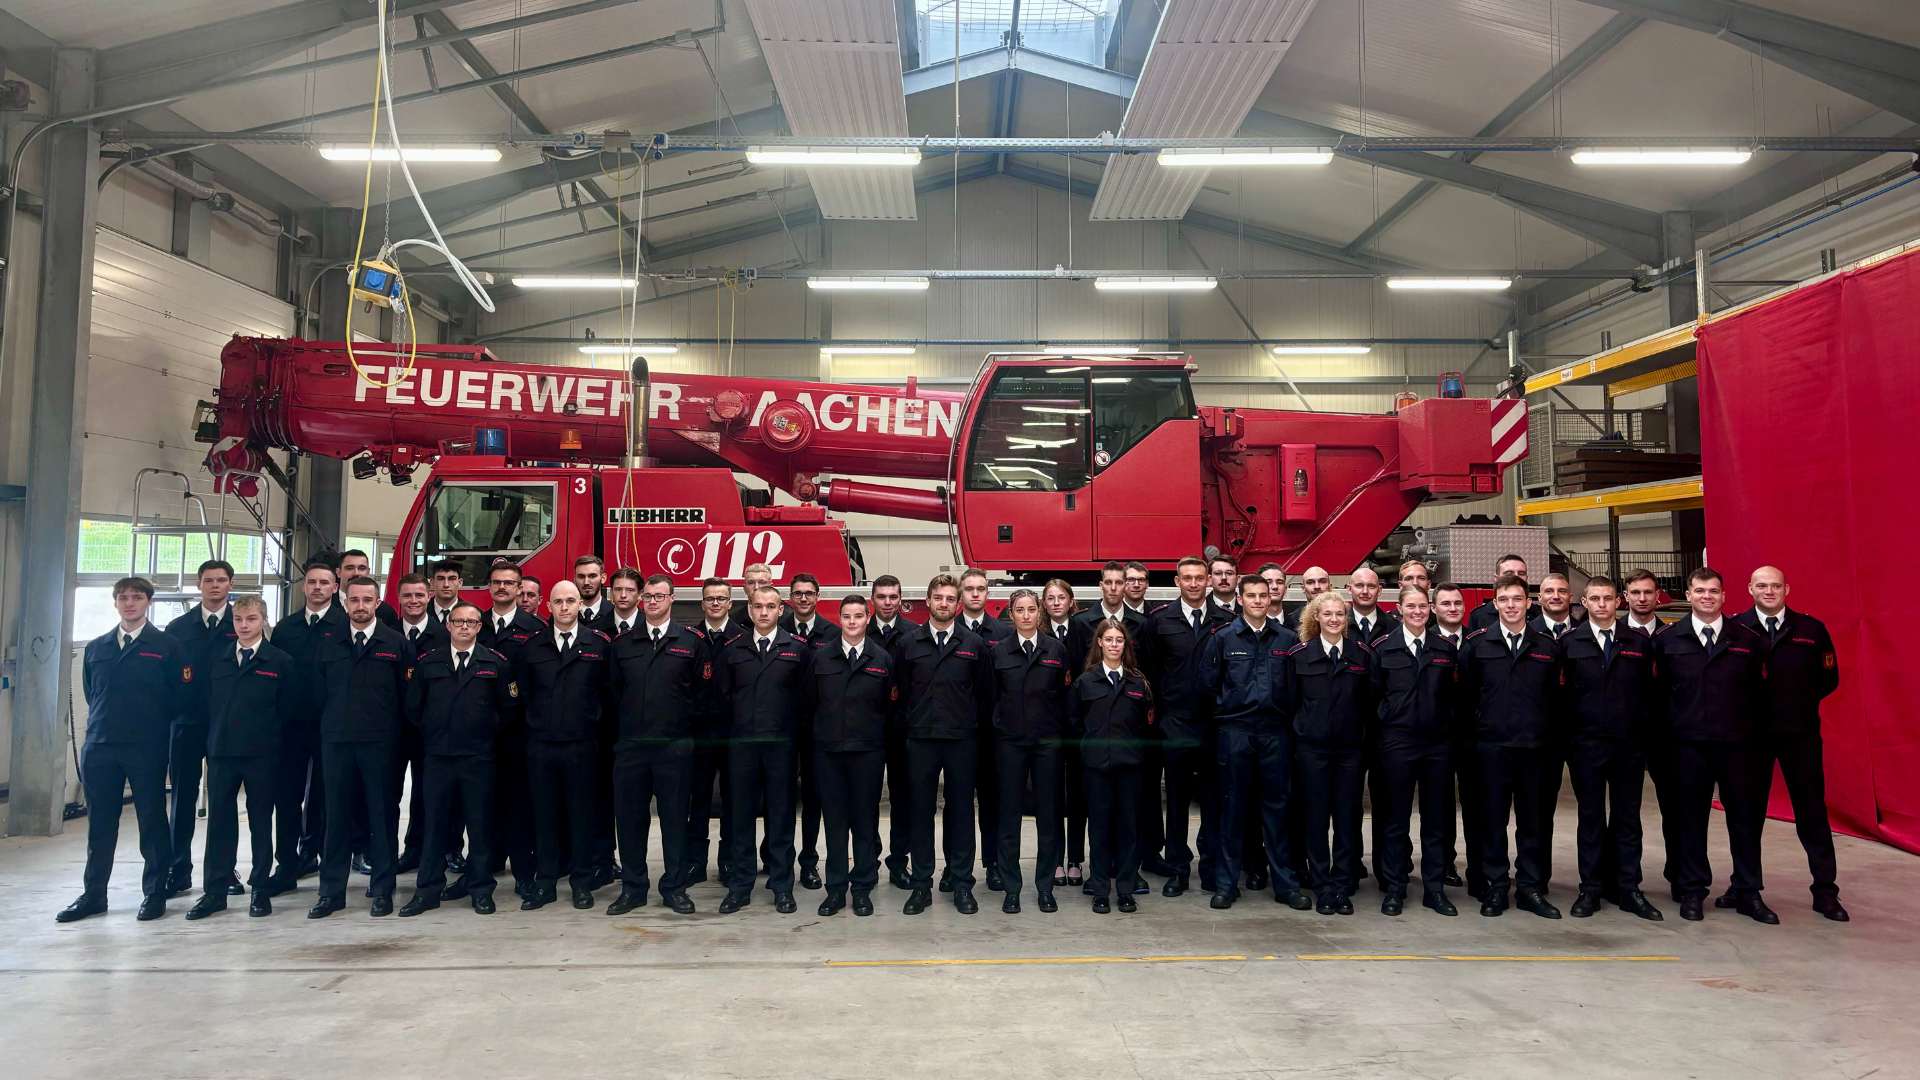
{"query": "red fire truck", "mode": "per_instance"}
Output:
(1045, 466)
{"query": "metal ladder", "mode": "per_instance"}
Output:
(233, 515)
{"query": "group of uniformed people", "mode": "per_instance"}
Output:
(553, 747)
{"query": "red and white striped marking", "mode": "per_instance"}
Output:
(1509, 430)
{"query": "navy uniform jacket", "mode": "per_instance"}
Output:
(1711, 698)
(890, 639)
(1511, 696)
(249, 708)
(1333, 700)
(1078, 641)
(990, 629)
(1113, 722)
(1094, 616)
(603, 619)
(610, 625)
(363, 690)
(1418, 698)
(660, 694)
(1169, 650)
(854, 704)
(1383, 623)
(1030, 692)
(135, 694)
(382, 613)
(511, 646)
(820, 632)
(768, 696)
(1539, 622)
(944, 693)
(1224, 612)
(564, 695)
(432, 635)
(1609, 699)
(461, 715)
(306, 644)
(1802, 669)
(198, 645)
(1248, 676)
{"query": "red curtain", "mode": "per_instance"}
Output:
(1806, 404)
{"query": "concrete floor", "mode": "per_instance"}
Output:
(1176, 990)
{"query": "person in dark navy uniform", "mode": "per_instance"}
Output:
(299, 788)
(1802, 669)
(1713, 700)
(1450, 623)
(1513, 682)
(562, 676)
(766, 675)
(1223, 599)
(1245, 668)
(1070, 844)
(597, 612)
(461, 695)
(446, 580)
(946, 699)
(662, 687)
(249, 709)
(136, 680)
(803, 621)
(1171, 643)
(1029, 689)
(1416, 681)
(975, 618)
(1110, 710)
(854, 703)
(357, 563)
(204, 629)
(596, 607)
(710, 742)
(508, 630)
(1331, 676)
(363, 695)
(889, 626)
(420, 632)
(1609, 693)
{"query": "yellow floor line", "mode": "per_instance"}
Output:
(1021, 961)
(1037, 961)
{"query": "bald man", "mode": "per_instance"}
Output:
(1314, 580)
(1802, 670)
(563, 676)
(1363, 608)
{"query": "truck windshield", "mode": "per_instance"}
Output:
(473, 524)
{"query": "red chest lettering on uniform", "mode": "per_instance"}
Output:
(485, 673)
(1540, 656)
(1356, 667)
(1738, 649)
(1048, 662)
(1804, 641)
(387, 655)
(674, 650)
(1278, 652)
(789, 656)
(966, 654)
(1441, 661)
(1136, 694)
(874, 670)
(152, 656)
(1630, 652)
(263, 672)
(589, 656)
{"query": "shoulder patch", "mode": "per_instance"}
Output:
(186, 670)
(601, 634)
(1298, 647)
(1471, 634)
(513, 689)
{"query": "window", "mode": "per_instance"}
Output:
(106, 553)
(1031, 434)
(379, 551)
(477, 523)
(1127, 408)
(1074, 29)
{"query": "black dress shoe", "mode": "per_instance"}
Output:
(381, 907)
(603, 876)
(734, 902)
(456, 864)
(420, 902)
(1060, 879)
(1493, 907)
(308, 866)
(537, 898)
(627, 901)
(862, 904)
(1127, 904)
(1221, 901)
(152, 907)
(582, 899)
(995, 882)
(483, 904)
(917, 901)
(361, 866)
(234, 889)
(1451, 880)
(899, 879)
(1297, 899)
(1256, 880)
(179, 885)
(1636, 903)
(1159, 867)
(209, 904)
(1392, 905)
(1175, 885)
(1048, 904)
(1536, 902)
(326, 906)
(278, 884)
(458, 890)
(1831, 907)
(946, 881)
(783, 903)
(85, 907)
(831, 905)
(680, 902)
(407, 863)
(1584, 906)
(1438, 903)
(1139, 886)
(1100, 905)
(527, 890)
(1756, 909)
(259, 905)
(1691, 909)
(1010, 904)
(963, 901)
(1343, 905)
(1726, 901)
(810, 878)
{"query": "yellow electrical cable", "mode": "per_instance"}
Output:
(620, 310)
(359, 243)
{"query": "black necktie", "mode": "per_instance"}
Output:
(213, 621)
(1513, 642)
(806, 631)
(1196, 621)
(1419, 646)
(459, 661)
(1113, 677)
(246, 656)
(1606, 647)
(1452, 639)
(566, 641)
(360, 638)
(1060, 631)
(1027, 647)
(656, 637)
(764, 643)
(126, 639)
(853, 657)
(940, 639)
(1773, 625)
(1333, 654)
(625, 626)
(1706, 634)
(1558, 628)
(413, 634)
(313, 618)
(1366, 629)
(500, 627)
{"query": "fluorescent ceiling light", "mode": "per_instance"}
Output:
(1209, 156)
(556, 281)
(1322, 350)
(867, 350)
(868, 284)
(906, 157)
(639, 348)
(1045, 423)
(1722, 155)
(1449, 284)
(1154, 284)
(1068, 370)
(1054, 410)
(1088, 350)
(1114, 379)
(413, 153)
(1024, 443)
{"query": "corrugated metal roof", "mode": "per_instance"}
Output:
(1209, 62)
